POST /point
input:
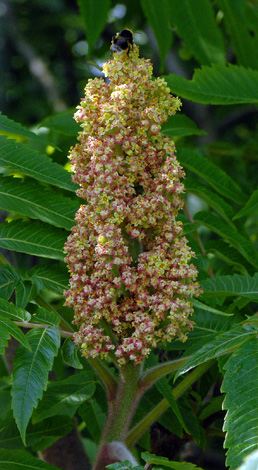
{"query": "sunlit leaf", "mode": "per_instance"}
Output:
(33, 200)
(94, 15)
(217, 84)
(22, 159)
(157, 14)
(211, 173)
(196, 25)
(33, 238)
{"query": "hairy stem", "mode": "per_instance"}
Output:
(120, 414)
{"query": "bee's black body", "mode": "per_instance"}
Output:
(122, 42)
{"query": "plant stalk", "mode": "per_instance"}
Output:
(120, 414)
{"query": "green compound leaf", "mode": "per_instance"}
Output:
(217, 85)
(30, 374)
(164, 462)
(64, 396)
(211, 173)
(239, 28)
(212, 199)
(228, 254)
(180, 125)
(8, 329)
(45, 317)
(48, 429)
(206, 327)
(20, 158)
(222, 344)
(9, 279)
(8, 310)
(9, 127)
(94, 15)
(157, 14)
(94, 418)
(32, 200)
(250, 208)
(236, 285)
(230, 235)
(207, 308)
(70, 354)
(241, 387)
(196, 25)
(53, 277)
(19, 459)
(63, 123)
(33, 238)
(164, 388)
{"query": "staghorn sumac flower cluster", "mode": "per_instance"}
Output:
(130, 268)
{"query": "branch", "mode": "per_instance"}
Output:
(140, 428)
(151, 376)
(106, 376)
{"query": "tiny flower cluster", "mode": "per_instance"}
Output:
(129, 263)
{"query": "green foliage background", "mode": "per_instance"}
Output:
(208, 52)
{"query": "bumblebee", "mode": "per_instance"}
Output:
(122, 42)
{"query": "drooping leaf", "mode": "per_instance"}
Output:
(10, 127)
(70, 354)
(222, 344)
(214, 406)
(229, 234)
(24, 292)
(211, 173)
(236, 285)
(230, 255)
(151, 459)
(241, 387)
(211, 198)
(50, 276)
(94, 418)
(45, 317)
(165, 389)
(180, 125)
(196, 25)
(8, 281)
(31, 199)
(20, 158)
(250, 208)
(19, 459)
(8, 309)
(64, 395)
(168, 419)
(207, 308)
(157, 14)
(238, 27)
(206, 327)
(7, 329)
(94, 15)
(63, 123)
(33, 238)
(217, 84)
(49, 429)
(30, 373)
